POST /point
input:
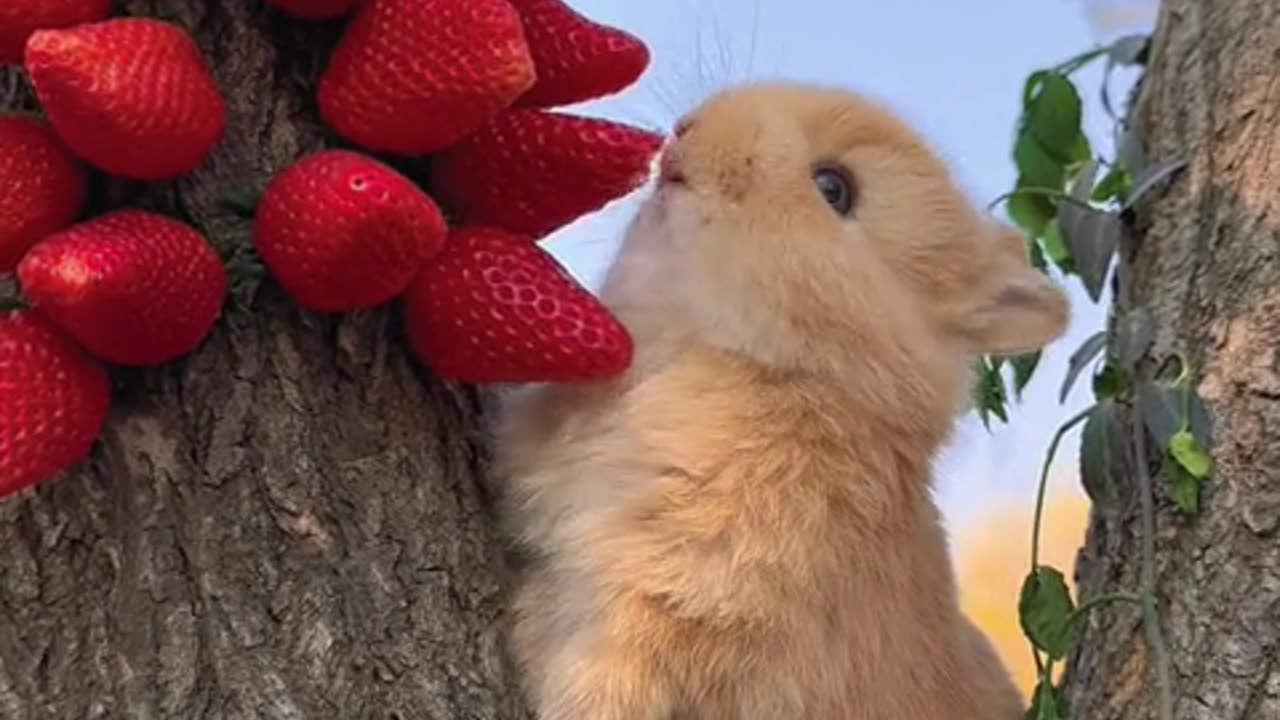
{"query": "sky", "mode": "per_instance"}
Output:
(953, 70)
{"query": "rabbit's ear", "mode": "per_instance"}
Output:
(1017, 308)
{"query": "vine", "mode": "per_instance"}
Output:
(1075, 218)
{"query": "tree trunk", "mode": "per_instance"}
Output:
(1206, 261)
(289, 523)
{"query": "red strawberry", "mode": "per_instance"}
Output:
(341, 231)
(20, 18)
(53, 401)
(43, 186)
(315, 9)
(133, 96)
(576, 59)
(532, 171)
(495, 307)
(414, 76)
(131, 286)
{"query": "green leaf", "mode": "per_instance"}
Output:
(1186, 492)
(1092, 236)
(1198, 418)
(1184, 448)
(1029, 211)
(1045, 704)
(1083, 179)
(1031, 87)
(1101, 456)
(1080, 150)
(1113, 186)
(1044, 610)
(1037, 163)
(989, 392)
(1035, 255)
(1184, 488)
(1053, 117)
(1079, 359)
(1166, 408)
(1150, 177)
(1055, 248)
(1135, 330)
(1024, 366)
(1159, 408)
(1109, 382)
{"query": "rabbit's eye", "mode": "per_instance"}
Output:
(836, 188)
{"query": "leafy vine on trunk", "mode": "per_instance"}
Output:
(1076, 219)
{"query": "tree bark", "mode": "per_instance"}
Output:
(289, 523)
(1206, 261)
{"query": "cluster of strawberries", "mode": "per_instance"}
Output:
(465, 86)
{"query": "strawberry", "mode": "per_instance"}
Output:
(341, 231)
(133, 96)
(20, 18)
(131, 286)
(414, 76)
(44, 186)
(315, 9)
(576, 59)
(532, 171)
(53, 401)
(494, 307)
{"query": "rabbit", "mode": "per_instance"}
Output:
(741, 525)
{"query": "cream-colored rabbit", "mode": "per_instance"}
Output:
(741, 527)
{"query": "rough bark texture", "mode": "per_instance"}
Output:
(1207, 262)
(287, 524)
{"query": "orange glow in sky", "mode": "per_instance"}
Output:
(994, 555)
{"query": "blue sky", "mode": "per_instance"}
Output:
(955, 71)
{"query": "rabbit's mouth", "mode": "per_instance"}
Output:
(670, 170)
